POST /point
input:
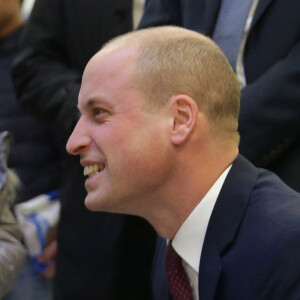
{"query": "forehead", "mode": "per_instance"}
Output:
(108, 73)
(111, 62)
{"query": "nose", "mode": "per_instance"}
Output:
(79, 139)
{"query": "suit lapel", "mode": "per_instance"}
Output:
(261, 7)
(210, 269)
(224, 223)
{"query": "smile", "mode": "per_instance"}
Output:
(93, 170)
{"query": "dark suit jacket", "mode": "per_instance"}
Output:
(270, 104)
(251, 249)
(99, 254)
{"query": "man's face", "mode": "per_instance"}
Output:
(124, 149)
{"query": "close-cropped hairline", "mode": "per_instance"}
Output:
(158, 81)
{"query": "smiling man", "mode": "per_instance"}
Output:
(158, 138)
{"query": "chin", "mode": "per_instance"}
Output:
(96, 204)
(92, 204)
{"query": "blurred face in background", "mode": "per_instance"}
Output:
(10, 16)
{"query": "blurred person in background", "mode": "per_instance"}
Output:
(36, 153)
(12, 251)
(99, 255)
(26, 8)
(137, 11)
(260, 38)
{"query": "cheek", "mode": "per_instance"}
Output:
(133, 151)
(147, 152)
(116, 144)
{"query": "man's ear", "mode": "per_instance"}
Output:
(185, 114)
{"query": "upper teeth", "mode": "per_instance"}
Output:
(92, 169)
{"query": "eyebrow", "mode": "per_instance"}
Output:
(90, 103)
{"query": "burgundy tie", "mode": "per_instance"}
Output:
(177, 279)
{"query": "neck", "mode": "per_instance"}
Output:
(184, 192)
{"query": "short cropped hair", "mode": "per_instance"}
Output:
(173, 61)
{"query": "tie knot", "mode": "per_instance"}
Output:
(177, 279)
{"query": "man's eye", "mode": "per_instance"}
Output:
(99, 114)
(98, 111)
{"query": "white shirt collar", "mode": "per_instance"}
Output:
(188, 241)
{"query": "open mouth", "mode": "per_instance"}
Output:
(93, 170)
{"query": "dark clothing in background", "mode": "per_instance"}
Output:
(100, 255)
(36, 152)
(269, 121)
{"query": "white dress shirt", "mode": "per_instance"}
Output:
(188, 241)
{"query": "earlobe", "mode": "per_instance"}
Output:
(185, 112)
